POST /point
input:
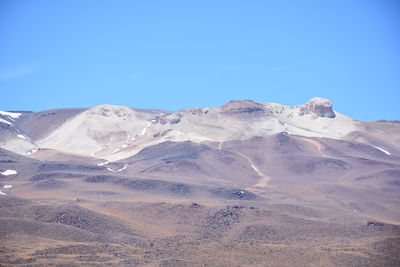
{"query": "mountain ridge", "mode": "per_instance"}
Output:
(109, 131)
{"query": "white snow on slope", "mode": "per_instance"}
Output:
(21, 136)
(9, 172)
(2, 193)
(7, 186)
(6, 122)
(13, 115)
(144, 130)
(121, 169)
(32, 151)
(383, 150)
(103, 163)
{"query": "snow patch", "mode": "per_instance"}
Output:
(121, 169)
(6, 122)
(143, 132)
(383, 150)
(9, 172)
(103, 163)
(21, 136)
(7, 186)
(116, 150)
(32, 151)
(2, 193)
(13, 115)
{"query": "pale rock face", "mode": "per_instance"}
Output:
(275, 108)
(110, 111)
(11, 139)
(319, 107)
(18, 145)
(98, 131)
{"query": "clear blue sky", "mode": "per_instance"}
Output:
(177, 54)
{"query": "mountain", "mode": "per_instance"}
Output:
(114, 132)
(247, 183)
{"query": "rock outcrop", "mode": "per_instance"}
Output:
(320, 107)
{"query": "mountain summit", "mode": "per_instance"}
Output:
(319, 106)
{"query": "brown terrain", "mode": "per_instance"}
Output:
(246, 184)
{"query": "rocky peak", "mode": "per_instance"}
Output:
(111, 111)
(242, 107)
(193, 111)
(320, 107)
